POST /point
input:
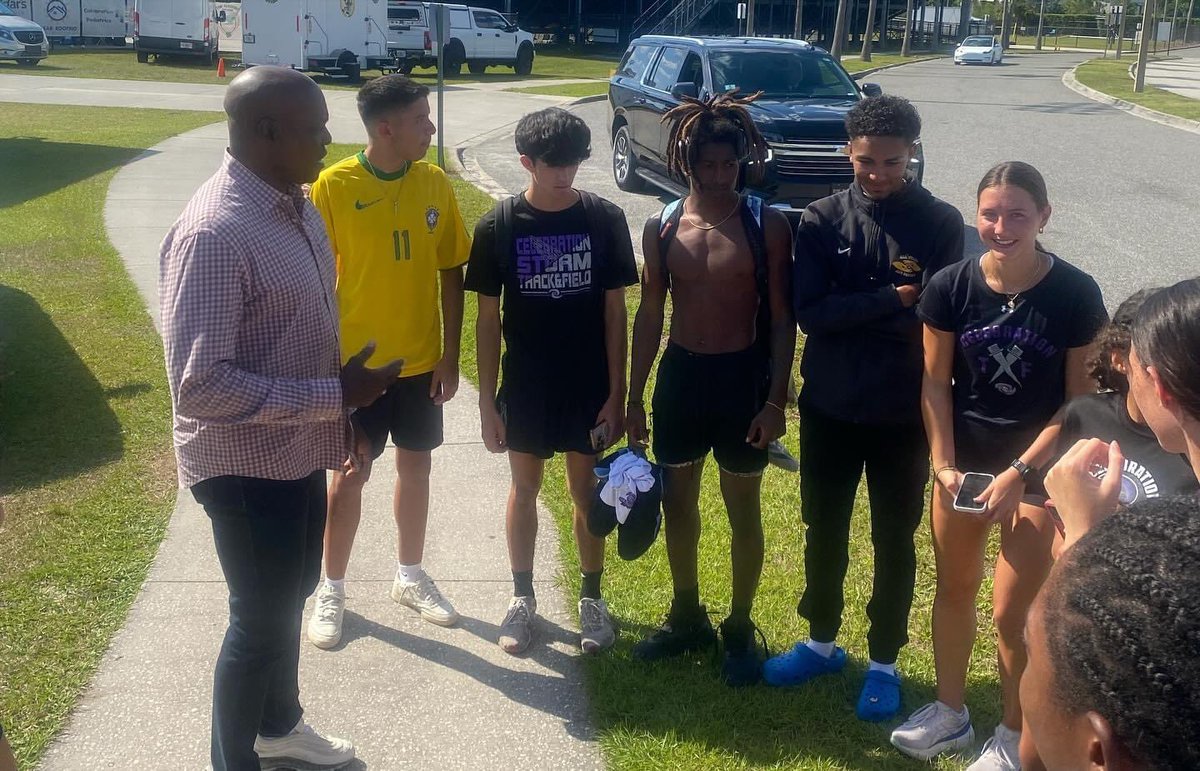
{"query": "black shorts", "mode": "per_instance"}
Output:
(994, 456)
(550, 408)
(706, 402)
(407, 413)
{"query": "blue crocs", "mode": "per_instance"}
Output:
(801, 664)
(880, 697)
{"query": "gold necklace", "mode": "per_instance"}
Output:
(377, 175)
(692, 217)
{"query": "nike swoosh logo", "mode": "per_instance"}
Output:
(844, 251)
(360, 205)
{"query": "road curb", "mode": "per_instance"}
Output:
(588, 99)
(863, 73)
(1174, 121)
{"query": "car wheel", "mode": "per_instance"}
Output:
(477, 68)
(624, 163)
(453, 58)
(524, 65)
(957, 63)
(143, 57)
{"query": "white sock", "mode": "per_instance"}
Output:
(960, 712)
(875, 666)
(338, 585)
(410, 574)
(823, 649)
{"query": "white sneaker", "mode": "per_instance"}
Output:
(1001, 752)
(325, 626)
(595, 626)
(304, 750)
(423, 597)
(516, 630)
(932, 730)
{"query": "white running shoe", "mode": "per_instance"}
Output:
(423, 597)
(304, 750)
(1001, 752)
(932, 730)
(516, 630)
(325, 626)
(595, 626)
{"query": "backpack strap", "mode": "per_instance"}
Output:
(756, 235)
(668, 226)
(597, 223)
(503, 234)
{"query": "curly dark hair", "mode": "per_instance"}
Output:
(719, 119)
(884, 116)
(555, 137)
(1122, 621)
(1115, 337)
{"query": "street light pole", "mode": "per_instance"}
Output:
(1139, 78)
(1041, 18)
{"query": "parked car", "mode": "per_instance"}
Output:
(801, 113)
(477, 37)
(21, 40)
(981, 49)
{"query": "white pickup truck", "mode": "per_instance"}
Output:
(476, 37)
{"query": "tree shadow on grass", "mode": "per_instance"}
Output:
(55, 420)
(26, 161)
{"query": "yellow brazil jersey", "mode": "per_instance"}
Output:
(391, 234)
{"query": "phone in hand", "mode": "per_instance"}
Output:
(598, 437)
(973, 485)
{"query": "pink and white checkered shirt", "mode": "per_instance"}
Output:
(250, 331)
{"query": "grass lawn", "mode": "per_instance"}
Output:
(578, 90)
(854, 64)
(87, 468)
(122, 65)
(677, 715)
(1112, 77)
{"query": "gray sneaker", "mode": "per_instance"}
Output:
(516, 630)
(325, 625)
(304, 750)
(595, 626)
(425, 598)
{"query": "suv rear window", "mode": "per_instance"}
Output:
(634, 64)
(780, 74)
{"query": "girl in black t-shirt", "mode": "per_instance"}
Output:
(1148, 471)
(1006, 342)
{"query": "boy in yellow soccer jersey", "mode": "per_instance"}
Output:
(398, 237)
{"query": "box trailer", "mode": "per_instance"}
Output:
(174, 27)
(333, 37)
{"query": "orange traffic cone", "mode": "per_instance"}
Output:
(221, 67)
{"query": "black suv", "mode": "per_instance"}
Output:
(805, 97)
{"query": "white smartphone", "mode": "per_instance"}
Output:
(973, 485)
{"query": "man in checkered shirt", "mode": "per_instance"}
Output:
(250, 332)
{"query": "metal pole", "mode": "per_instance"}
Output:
(1041, 17)
(1004, 24)
(1120, 29)
(1187, 23)
(798, 28)
(1139, 77)
(441, 88)
(749, 18)
(1171, 36)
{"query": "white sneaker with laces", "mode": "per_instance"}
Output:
(304, 750)
(595, 626)
(424, 597)
(932, 730)
(1001, 752)
(325, 625)
(516, 630)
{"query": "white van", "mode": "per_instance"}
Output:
(174, 27)
(479, 38)
(21, 40)
(334, 37)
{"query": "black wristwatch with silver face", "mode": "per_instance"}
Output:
(1024, 470)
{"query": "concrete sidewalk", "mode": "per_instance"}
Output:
(409, 694)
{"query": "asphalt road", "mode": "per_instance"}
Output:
(1125, 191)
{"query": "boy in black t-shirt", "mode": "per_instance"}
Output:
(862, 259)
(561, 259)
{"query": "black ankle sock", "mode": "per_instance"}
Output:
(687, 601)
(740, 615)
(522, 583)
(591, 586)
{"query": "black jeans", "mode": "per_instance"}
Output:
(833, 454)
(268, 535)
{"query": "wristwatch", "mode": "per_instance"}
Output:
(1024, 470)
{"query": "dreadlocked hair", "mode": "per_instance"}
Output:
(1122, 620)
(719, 119)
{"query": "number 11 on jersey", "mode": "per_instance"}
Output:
(397, 237)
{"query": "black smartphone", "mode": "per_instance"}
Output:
(973, 485)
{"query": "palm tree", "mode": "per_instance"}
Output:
(839, 30)
(906, 46)
(870, 33)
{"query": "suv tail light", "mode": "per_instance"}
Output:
(206, 33)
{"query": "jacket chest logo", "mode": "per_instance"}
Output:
(906, 266)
